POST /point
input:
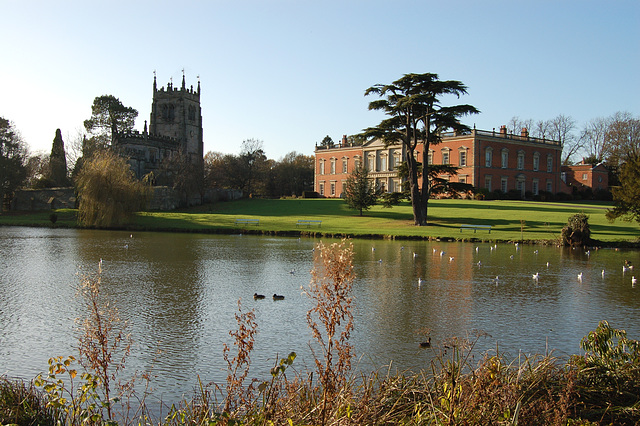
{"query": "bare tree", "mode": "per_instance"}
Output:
(623, 138)
(251, 158)
(593, 138)
(562, 129)
(541, 129)
(73, 146)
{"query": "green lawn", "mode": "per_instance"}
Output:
(543, 221)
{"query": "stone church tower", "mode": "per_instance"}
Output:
(175, 128)
(176, 113)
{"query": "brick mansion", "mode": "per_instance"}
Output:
(486, 159)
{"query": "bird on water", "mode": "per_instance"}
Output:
(426, 344)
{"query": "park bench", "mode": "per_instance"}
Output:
(308, 223)
(475, 227)
(248, 222)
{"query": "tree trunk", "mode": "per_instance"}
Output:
(419, 207)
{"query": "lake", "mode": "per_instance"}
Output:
(179, 293)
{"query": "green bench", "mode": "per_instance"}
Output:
(308, 223)
(475, 227)
(255, 222)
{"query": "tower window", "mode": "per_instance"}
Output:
(168, 112)
(192, 113)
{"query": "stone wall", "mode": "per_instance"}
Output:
(164, 198)
(43, 199)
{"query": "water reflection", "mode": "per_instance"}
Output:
(180, 293)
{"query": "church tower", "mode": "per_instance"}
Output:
(176, 113)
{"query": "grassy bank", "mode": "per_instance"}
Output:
(541, 221)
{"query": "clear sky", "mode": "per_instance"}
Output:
(289, 72)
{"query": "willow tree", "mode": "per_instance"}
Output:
(416, 116)
(108, 191)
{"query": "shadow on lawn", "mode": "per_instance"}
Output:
(508, 206)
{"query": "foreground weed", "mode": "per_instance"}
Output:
(331, 319)
(21, 404)
(102, 336)
(239, 397)
(73, 402)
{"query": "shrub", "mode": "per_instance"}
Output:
(577, 232)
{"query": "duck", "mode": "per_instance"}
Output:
(277, 297)
(580, 277)
(420, 282)
(633, 281)
(426, 344)
(536, 276)
(257, 296)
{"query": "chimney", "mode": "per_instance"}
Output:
(503, 130)
(344, 140)
(524, 133)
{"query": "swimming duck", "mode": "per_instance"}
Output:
(257, 296)
(426, 344)
(277, 297)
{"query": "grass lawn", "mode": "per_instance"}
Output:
(542, 221)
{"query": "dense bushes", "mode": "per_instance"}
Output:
(602, 386)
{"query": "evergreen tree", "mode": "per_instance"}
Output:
(13, 157)
(416, 116)
(108, 118)
(360, 192)
(58, 162)
(626, 197)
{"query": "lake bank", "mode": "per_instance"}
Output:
(510, 221)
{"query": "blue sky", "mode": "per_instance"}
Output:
(289, 72)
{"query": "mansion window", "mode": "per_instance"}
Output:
(549, 163)
(487, 183)
(372, 162)
(521, 160)
(503, 185)
(585, 176)
(333, 166)
(445, 157)
(488, 157)
(536, 162)
(383, 163)
(356, 161)
(462, 178)
(321, 188)
(463, 158)
(333, 189)
(505, 158)
(321, 167)
(430, 157)
(549, 186)
(534, 187)
(395, 161)
(344, 165)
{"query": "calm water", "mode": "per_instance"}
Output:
(180, 293)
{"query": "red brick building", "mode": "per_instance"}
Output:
(582, 176)
(487, 159)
